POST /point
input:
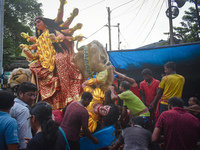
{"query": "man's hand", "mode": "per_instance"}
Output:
(27, 140)
(151, 107)
(112, 88)
(95, 140)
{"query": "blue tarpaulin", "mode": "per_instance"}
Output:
(186, 56)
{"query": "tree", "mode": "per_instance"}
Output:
(189, 30)
(18, 17)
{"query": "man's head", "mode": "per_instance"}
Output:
(6, 100)
(170, 67)
(147, 74)
(193, 101)
(86, 98)
(137, 120)
(124, 86)
(112, 115)
(175, 102)
(27, 92)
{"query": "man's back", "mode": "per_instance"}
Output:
(181, 129)
(172, 85)
(134, 104)
(135, 137)
(8, 130)
(75, 117)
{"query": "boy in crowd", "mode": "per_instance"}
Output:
(8, 125)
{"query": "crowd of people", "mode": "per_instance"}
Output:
(29, 126)
(150, 115)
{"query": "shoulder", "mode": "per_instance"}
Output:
(125, 93)
(35, 142)
(157, 81)
(180, 75)
(10, 122)
(127, 129)
(142, 83)
(165, 77)
(19, 107)
(18, 110)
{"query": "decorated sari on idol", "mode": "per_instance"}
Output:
(56, 75)
(53, 69)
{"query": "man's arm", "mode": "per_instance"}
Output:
(87, 133)
(13, 146)
(115, 146)
(156, 99)
(24, 130)
(143, 96)
(124, 114)
(156, 136)
(130, 80)
(113, 96)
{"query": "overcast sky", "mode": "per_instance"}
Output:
(141, 21)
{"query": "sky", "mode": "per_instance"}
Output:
(141, 22)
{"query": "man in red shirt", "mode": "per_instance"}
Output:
(148, 89)
(75, 117)
(180, 128)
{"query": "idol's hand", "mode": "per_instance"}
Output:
(75, 12)
(22, 46)
(52, 37)
(28, 53)
(63, 2)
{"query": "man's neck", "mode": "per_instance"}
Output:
(149, 82)
(5, 110)
(80, 103)
(173, 72)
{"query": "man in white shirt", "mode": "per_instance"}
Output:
(26, 95)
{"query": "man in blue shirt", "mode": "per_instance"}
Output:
(26, 95)
(8, 125)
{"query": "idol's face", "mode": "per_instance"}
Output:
(39, 24)
(104, 110)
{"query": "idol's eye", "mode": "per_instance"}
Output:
(38, 21)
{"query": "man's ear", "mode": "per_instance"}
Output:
(169, 106)
(21, 94)
(13, 103)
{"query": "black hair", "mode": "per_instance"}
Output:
(43, 113)
(126, 85)
(195, 100)
(146, 71)
(176, 102)
(52, 26)
(6, 100)
(137, 120)
(64, 110)
(112, 116)
(108, 99)
(87, 95)
(26, 87)
(171, 65)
